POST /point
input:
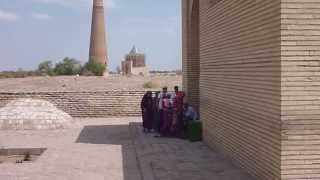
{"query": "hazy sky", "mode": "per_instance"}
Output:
(35, 30)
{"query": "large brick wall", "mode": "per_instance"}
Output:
(259, 82)
(240, 72)
(87, 104)
(300, 88)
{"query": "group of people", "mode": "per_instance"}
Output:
(166, 113)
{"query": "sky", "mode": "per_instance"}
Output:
(32, 31)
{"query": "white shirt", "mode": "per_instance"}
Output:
(161, 100)
(191, 113)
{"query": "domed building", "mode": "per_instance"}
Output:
(33, 114)
(135, 63)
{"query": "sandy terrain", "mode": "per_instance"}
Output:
(73, 83)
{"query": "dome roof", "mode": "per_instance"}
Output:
(33, 114)
(134, 50)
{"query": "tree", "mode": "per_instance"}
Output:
(68, 66)
(92, 68)
(46, 67)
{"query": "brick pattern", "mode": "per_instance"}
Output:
(300, 89)
(87, 104)
(240, 75)
(98, 44)
(191, 51)
(168, 159)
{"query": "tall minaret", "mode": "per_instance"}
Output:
(98, 47)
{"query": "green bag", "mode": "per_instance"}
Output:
(194, 131)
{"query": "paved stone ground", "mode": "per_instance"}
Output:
(113, 149)
(176, 159)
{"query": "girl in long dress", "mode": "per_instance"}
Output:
(177, 103)
(167, 116)
(147, 111)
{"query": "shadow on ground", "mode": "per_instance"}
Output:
(148, 158)
(115, 135)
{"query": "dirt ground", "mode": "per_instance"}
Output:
(74, 83)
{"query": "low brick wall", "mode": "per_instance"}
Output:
(87, 104)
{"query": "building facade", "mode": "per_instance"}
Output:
(252, 68)
(134, 63)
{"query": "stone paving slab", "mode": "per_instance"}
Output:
(97, 149)
(175, 159)
(113, 149)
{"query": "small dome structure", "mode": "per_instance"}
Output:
(134, 51)
(33, 114)
(135, 63)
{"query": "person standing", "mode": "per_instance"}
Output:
(164, 94)
(147, 111)
(167, 116)
(156, 112)
(177, 103)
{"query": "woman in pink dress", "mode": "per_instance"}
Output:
(167, 116)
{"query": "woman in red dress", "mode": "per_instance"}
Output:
(177, 103)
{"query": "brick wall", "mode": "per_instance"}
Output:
(191, 51)
(300, 89)
(259, 82)
(87, 104)
(240, 74)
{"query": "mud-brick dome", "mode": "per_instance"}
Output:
(33, 114)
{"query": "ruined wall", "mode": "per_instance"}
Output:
(87, 104)
(240, 79)
(300, 30)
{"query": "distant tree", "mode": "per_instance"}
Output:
(46, 67)
(92, 68)
(68, 66)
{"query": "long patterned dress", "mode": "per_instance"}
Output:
(177, 125)
(167, 116)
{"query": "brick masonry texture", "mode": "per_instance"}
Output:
(240, 73)
(300, 89)
(98, 44)
(259, 82)
(190, 51)
(87, 104)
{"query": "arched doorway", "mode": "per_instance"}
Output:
(191, 50)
